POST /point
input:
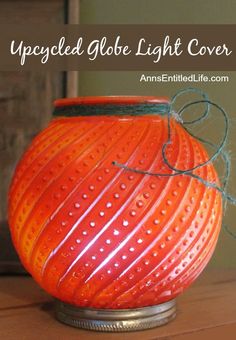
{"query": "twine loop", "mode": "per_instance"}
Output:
(218, 149)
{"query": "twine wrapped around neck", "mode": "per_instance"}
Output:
(111, 109)
(219, 149)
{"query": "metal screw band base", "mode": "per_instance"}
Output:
(116, 320)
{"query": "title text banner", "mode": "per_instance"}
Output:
(118, 47)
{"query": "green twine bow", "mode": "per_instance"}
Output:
(219, 150)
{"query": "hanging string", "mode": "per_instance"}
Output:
(180, 112)
(218, 148)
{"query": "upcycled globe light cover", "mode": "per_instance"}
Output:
(99, 237)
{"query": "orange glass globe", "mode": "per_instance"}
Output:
(96, 235)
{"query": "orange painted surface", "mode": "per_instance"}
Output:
(110, 100)
(96, 235)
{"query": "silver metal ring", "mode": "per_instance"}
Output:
(116, 320)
